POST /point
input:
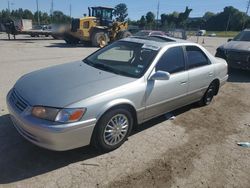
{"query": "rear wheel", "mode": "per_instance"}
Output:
(209, 95)
(112, 130)
(70, 39)
(99, 39)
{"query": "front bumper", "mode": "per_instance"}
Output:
(235, 58)
(46, 134)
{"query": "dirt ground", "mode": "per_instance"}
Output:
(196, 149)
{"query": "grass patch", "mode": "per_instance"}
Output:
(228, 34)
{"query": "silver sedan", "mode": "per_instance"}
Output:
(99, 100)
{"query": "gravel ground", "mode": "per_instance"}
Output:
(197, 149)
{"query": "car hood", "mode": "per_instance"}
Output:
(65, 84)
(237, 45)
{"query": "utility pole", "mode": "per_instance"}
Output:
(38, 15)
(70, 9)
(157, 18)
(248, 6)
(9, 6)
(228, 22)
(52, 10)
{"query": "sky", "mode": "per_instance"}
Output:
(136, 8)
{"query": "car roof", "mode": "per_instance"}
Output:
(155, 40)
(151, 31)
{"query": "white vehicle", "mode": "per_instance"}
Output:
(201, 33)
(126, 83)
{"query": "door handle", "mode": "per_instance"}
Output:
(183, 82)
(210, 74)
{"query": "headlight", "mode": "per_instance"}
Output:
(65, 115)
(70, 115)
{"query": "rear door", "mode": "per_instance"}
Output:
(200, 72)
(166, 95)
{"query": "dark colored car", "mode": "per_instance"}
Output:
(237, 51)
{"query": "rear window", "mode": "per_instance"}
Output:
(196, 57)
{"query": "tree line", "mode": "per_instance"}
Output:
(57, 17)
(230, 19)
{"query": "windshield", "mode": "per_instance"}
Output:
(124, 58)
(243, 36)
(142, 33)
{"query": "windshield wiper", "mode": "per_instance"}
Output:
(107, 68)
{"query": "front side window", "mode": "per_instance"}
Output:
(196, 57)
(107, 14)
(124, 58)
(172, 61)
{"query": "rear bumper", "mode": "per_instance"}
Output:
(58, 137)
(223, 81)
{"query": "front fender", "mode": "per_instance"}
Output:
(112, 104)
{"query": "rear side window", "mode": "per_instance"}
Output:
(172, 61)
(196, 57)
(86, 25)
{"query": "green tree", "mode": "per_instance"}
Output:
(182, 17)
(59, 17)
(121, 12)
(208, 15)
(27, 14)
(142, 22)
(150, 17)
(230, 19)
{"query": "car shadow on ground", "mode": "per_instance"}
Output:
(239, 76)
(65, 45)
(19, 159)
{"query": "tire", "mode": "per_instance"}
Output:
(71, 41)
(104, 138)
(55, 36)
(99, 39)
(123, 34)
(209, 95)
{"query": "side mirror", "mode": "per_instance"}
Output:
(229, 40)
(160, 75)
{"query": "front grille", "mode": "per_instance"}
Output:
(239, 56)
(18, 101)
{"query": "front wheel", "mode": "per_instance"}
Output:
(99, 39)
(112, 130)
(209, 95)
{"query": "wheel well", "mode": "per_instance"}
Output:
(126, 106)
(217, 83)
(129, 107)
(96, 30)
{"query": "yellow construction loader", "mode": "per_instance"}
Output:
(98, 28)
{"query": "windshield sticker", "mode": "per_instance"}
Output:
(150, 47)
